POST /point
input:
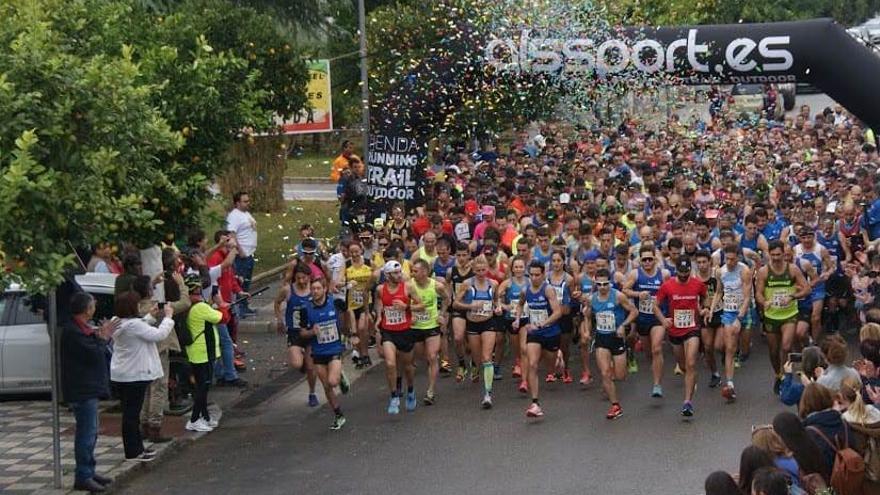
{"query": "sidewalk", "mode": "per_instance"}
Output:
(26, 425)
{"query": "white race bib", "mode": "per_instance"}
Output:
(485, 309)
(683, 318)
(560, 291)
(327, 332)
(537, 317)
(732, 302)
(647, 305)
(605, 322)
(357, 297)
(394, 316)
(297, 318)
(420, 317)
(778, 300)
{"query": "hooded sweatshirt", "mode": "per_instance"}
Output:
(831, 424)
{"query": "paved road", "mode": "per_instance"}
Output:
(455, 447)
(301, 191)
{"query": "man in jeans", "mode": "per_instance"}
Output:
(227, 283)
(240, 222)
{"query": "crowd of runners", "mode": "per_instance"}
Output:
(574, 251)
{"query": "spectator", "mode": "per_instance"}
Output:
(750, 461)
(836, 353)
(135, 364)
(804, 450)
(765, 438)
(85, 381)
(721, 483)
(131, 269)
(355, 200)
(240, 222)
(103, 261)
(813, 364)
(201, 353)
(343, 161)
(822, 421)
(224, 368)
(769, 481)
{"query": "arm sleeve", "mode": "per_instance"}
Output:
(153, 334)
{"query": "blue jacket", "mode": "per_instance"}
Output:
(831, 424)
(84, 371)
(791, 390)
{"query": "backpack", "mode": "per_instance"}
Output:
(848, 473)
(182, 329)
(872, 459)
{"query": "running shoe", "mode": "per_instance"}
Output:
(677, 371)
(460, 373)
(498, 375)
(344, 384)
(586, 379)
(523, 387)
(687, 409)
(566, 376)
(737, 361)
(517, 370)
(714, 380)
(551, 377)
(614, 412)
(198, 425)
(356, 358)
(728, 393)
(429, 399)
(632, 365)
(366, 361)
(475, 373)
(445, 367)
(657, 391)
(313, 400)
(411, 401)
(487, 401)
(394, 405)
(534, 411)
(777, 385)
(338, 422)
(372, 343)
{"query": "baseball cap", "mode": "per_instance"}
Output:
(193, 282)
(684, 264)
(391, 266)
(564, 198)
(488, 210)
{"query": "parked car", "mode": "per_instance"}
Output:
(749, 99)
(25, 352)
(868, 33)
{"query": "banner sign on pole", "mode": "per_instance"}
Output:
(318, 115)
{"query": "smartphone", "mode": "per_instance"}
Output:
(795, 357)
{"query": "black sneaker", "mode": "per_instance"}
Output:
(715, 380)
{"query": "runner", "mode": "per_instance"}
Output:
(321, 326)
(426, 323)
(642, 285)
(395, 305)
(478, 298)
(778, 286)
(509, 293)
(809, 251)
(584, 292)
(538, 302)
(612, 311)
(358, 280)
(735, 297)
(460, 272)
(561, 283)
(442, 265)
(296, 295)
(713, 340)
(686, 300)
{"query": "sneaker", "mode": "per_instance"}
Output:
(517, 371)
(344, 384)
(144, 457)
(429, 399)
(632, 365)
(566, 377)
(737, 361)
(487, 401)
(551, 377)
(198, 425)
(498, 375)
(614, 412)
(523, 387)
(338, 422)
(777, 385)
(394, 405)
(475, 373)
(213, 422)
(677, 371)
(534, 411)
(687, 409)
(728, 393)
(715, 380)
(657, 391)
(445, 367)
(460, 373)
(586, 379)
(313, 400)
(411, 401)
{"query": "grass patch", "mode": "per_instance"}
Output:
(310, 164)
(278, 233)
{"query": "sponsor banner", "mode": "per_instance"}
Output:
(395, 167)
(318, 116)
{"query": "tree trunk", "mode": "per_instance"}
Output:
(257, 167)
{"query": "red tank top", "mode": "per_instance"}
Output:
(395, 320)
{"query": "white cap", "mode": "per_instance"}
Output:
(812, 183)
(391, 266)
(564, 198)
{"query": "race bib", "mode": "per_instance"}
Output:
(327, 332)
(357, 297)
(485, 309)
(732, 302)
(683, 318)
(394, 316)
(560, 291)
(647, 305)
(362, 219)
(297, 318)
(420, 317)
(779, 300)
(537, 317)
(605, 322)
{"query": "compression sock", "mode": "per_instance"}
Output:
(488, 376)
(399, 385)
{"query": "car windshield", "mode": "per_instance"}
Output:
(747, 89)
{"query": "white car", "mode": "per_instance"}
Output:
(25, 353)
(749, 99)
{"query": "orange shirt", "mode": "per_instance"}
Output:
(339, 164)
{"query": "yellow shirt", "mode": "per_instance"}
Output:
(359, 292)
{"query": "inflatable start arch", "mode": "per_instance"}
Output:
(819, 52)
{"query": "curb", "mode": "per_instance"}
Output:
(308, 180)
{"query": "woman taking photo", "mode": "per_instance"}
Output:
(135, 364)
(84, 382)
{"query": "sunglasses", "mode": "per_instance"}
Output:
(647, 259)
(756, 428)
(602, 284)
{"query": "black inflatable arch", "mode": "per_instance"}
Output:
(819, 52)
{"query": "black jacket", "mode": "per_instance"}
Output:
(84, 371)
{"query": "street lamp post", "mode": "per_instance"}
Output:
(365, 88)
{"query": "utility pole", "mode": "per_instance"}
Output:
(365, 88)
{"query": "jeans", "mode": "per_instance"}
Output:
(131, 395)
(224, 368)
(86, 414)
(202, 375)
(244, 268)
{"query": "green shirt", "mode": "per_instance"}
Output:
(199, 314)
(777, 287)
(427, 318)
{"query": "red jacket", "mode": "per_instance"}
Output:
(227, 281)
